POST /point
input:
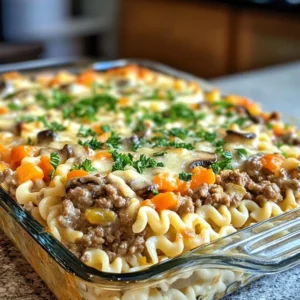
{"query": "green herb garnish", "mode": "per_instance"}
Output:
(242, 153)
(113, 141)
(121, 160)
(185, 176)
(93, 143)
(86, 166)
(54, 161)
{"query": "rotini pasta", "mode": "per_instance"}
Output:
(129, 168)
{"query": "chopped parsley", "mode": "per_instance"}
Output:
(140, 126)
(93, 143)
(121, 160)
(54, 161)
(242, 153)
(128, 112)
(241, 121)
(178, 132)
(88, 107)
(181, 111)
(269, 125)
(185, 176)
(163, 142)
(224, 163)
(105, 128)
(85, 132)
(14, 106)
(162, 153)
(86, 166)
(113, 142)
(137, 144)
(55, 126)
(155, 191)
(57, 100)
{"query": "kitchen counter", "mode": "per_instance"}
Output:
(277, 88)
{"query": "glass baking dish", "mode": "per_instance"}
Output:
(210, 271)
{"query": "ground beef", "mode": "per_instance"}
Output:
(185, 205)
(9, 177)
(115, 238)
(212, 194)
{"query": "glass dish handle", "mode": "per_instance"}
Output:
(269, 247)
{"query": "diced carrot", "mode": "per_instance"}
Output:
(87, 78)
(165, 201)
(183, 187)
(29, 171)
(54, 82)
(278, 130)
(3, 110)
(19, 152)
(102, 155)
(77, 173)
(201, 175)
(4, 153)
(104, 137)
(194, 105)
(148, 203)
(46, 167)
(11, 75)
(167, 182)
(272, 162)
(124, 101)
(97, 129)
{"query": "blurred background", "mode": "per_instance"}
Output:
(207, 38)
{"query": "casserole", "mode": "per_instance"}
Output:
(203, 274)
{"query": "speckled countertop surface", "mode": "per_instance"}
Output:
(278, 89)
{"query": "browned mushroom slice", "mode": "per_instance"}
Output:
(238, 137)
(46, 137)
(205, 159)
(83, 181)
(254, 119)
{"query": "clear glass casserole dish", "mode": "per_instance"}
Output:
(207, 272)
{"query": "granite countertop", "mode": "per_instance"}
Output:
(278, 89)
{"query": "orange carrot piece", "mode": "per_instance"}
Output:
(77, 173)
(124, 101)
(165, 201)
(46, 166)
(202, 175)
(87, 78)
(19, 152)
(3, 110)
(148, 203)
(167, 182)
(4, 153)
(272, 162)
(29, 171)
(103, 155)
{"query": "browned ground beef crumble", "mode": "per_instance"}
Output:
(117, 239)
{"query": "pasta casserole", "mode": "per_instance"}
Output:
(129, 167)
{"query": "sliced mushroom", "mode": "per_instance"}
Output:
(46, 137)
(205, 160)
(85, 180)
(238, 137)
(254, 119)
(67, 152)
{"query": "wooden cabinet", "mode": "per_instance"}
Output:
(264, 39)
(207, 39)
(184, 34)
